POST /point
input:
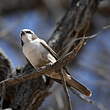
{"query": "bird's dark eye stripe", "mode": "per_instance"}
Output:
(28, 32)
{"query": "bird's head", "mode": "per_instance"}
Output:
(27, 35)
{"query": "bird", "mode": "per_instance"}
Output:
(39, 53)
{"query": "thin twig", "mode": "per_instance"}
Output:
(94, 35)
(66, 90)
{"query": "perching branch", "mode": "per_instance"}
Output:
(45, 69)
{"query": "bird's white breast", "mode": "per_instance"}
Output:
(36, 53)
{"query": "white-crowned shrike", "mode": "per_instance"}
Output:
(38, 53)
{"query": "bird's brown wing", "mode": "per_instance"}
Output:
(69, 80)
(45, 45)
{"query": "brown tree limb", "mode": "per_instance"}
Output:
(45, 69)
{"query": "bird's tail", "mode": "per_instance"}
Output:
(78, 86)
(72, 83)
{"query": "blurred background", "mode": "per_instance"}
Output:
(92, 66)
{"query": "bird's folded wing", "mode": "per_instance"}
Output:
(69, 80)
(45, 45)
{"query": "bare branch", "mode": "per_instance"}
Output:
(45, 69)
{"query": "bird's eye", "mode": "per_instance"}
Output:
(29, 32)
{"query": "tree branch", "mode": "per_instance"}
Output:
(45, 69)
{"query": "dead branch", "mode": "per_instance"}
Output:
(45, 69)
